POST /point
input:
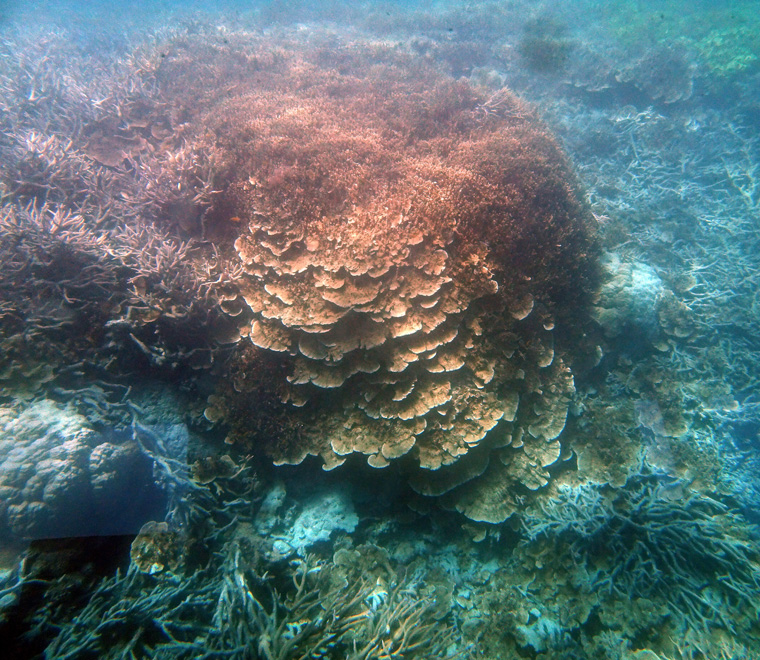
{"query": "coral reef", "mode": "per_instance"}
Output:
(412, 252)
(651, 560)
(366, 250)
(92, 274)
(239, 605)
(719, 36)
(348, 608)
(157, 548)
(60, 477)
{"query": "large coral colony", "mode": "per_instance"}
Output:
(411, 246)
(328, 252)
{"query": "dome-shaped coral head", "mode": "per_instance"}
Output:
(410, 246)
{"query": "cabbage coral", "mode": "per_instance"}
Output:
(413, 251)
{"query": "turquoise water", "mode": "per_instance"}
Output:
(379, 330)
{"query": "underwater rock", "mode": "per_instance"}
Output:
(59, 477)
(648, 415)
(629, 298)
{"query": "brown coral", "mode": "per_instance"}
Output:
(408, 249)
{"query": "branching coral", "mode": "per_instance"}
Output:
(71, 287)
(228, 611)
(99, 204)
(128, 616)
(330, 612)
(656, 539)
(56, 269)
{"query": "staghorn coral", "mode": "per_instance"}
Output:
(99, 207)
(334, 609)
(350, 607)
(412, 253)
(71, 288)
(655, 540)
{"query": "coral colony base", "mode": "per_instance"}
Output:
(312, 347)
